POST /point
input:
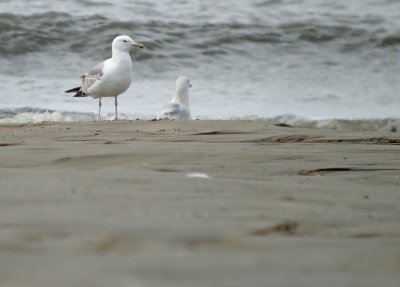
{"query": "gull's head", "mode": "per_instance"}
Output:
(125, 43)
(183, 84)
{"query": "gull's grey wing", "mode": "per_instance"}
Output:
(92, 76)
(170, 111)
(174, 111)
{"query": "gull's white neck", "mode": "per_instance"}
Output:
(119, 54)
(182, 96)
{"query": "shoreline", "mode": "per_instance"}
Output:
(26, 115)
(197, 203)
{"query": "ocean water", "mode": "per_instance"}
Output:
(320, 63)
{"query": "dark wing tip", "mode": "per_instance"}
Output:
(80, 94)
(74, 90)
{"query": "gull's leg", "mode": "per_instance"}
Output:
(99, 108)
(116, 108)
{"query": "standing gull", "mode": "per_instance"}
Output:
(178, 108)
(111, 77)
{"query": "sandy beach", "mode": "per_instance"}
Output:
(197, 203)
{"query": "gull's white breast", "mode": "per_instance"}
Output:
(116, 78)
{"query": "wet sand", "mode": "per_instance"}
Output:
(197, 203)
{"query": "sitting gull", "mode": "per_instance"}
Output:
(178, 108)
(111, 77)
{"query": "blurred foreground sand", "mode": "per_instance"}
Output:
(130, 204)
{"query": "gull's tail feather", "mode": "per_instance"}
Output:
(78, 92)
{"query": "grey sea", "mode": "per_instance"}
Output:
(318, 63)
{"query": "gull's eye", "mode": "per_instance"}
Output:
(125, 41)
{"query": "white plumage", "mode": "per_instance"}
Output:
(178, 108)
(111, 77)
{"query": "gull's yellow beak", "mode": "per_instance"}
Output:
(138, 45)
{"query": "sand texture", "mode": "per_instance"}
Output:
(197, 203)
